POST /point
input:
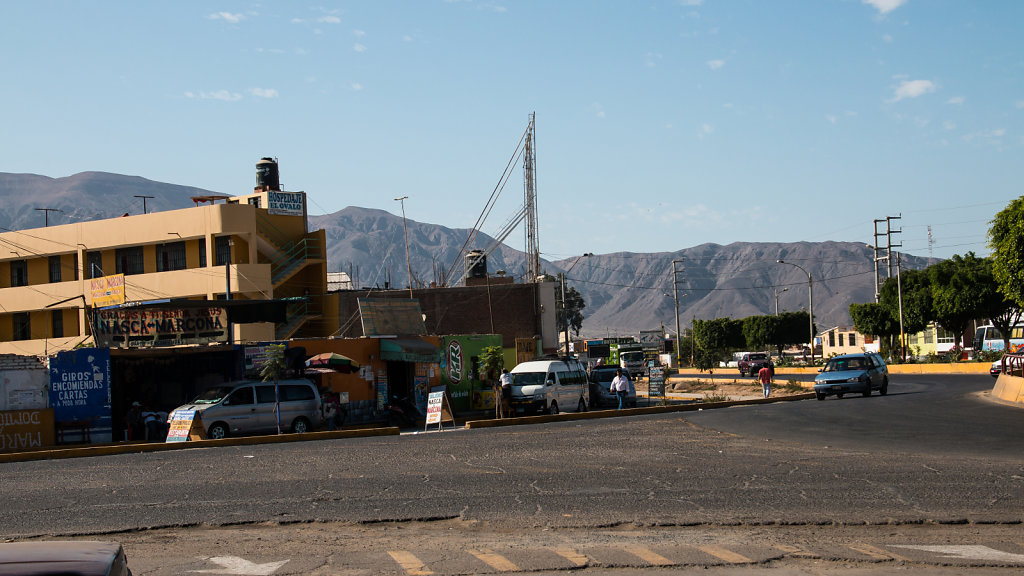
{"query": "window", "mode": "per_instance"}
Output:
(22, 326)
(19, 273)
(202, 252)
(840, 339)
(57, 324)
(240, 396)
(831, 338)
(294, 392)
(93, 265)
(222, 251)
(54, 268)
(74, 264)
(129, 260)
(853, 338)
(255, 201)
(170, 256)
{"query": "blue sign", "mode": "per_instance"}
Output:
(80, 393)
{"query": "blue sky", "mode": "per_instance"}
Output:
(660, 124)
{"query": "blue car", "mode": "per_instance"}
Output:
(851, 373)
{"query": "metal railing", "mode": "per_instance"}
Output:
(1012, 365)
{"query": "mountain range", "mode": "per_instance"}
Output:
(624, 292)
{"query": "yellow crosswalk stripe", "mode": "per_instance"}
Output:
(410, 563)
(573, 556)
(649, 556)
(496, 561)
(794, 551)
(727, 555)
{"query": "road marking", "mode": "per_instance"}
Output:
(573, 556)
(795, 551)
(649, 556)
(496, 561)
(967, 552)
(236, 565)
(723, 554)
(410, 563)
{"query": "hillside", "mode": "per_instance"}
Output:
(624, 292)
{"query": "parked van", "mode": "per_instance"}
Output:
(549, 386)
(248, 407)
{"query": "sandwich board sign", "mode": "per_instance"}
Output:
(438, 409)
(186, 425)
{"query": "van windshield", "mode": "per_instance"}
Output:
(528, 378)
(213, 395)
(632, 356)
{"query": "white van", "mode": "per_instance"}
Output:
(248, 407)
(549, 386)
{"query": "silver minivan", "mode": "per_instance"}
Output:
(248, 407)
(549, 386)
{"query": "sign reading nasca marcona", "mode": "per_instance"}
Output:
(128, 328)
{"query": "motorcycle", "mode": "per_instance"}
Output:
(402, 413)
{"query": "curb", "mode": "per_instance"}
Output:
(110, 449)
(691, 407)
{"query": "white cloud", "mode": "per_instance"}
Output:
(949, 125)
(832, 118)
(223, 95)
(329, 20)
(598, 109)
(1019, 104)
(690, 2)
(716, 64)
(956, 100)
(885, 6)
(359, 33)
(359, 47)
(263, 92)
(227, 17)
(913, 89)
(651, 59)
(705, 130)
(356, 86)
(887, 38)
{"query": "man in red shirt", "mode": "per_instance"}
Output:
(765, 376)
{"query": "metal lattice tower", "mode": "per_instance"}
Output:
(530, 193)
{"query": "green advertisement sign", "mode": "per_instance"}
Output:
(460, 370)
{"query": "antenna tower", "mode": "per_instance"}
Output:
(530, 192)
(931, 242)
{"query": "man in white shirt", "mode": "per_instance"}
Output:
(620, 387)
(506, 394)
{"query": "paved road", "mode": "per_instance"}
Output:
(931, 463)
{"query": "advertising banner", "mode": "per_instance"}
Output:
(155, 327)
(80, 394)
(107, 290)
(460, 373)
(286, 203)
(22, 430)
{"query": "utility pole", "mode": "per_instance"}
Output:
(46, 214)
(408, 263)
(675, 294)
(144, 201)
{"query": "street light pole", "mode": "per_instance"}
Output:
(405, 228)
(777, 292)
(565, 312)
(810, 302)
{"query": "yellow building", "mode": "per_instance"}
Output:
(251, 247)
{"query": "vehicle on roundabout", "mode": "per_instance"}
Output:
(996, 368)
(549, 387)
(752, 362)
(852, 373)
(250, 407)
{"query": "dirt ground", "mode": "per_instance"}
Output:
(738, 388)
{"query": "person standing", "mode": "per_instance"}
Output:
(765, 376)
(506, 394)
(620, 387)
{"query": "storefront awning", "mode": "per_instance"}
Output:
(401, 350)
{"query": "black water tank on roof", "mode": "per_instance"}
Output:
(476, 264)
(266, 174)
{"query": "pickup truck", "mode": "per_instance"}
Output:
(752, 362)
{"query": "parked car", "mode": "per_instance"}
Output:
(600, 388)
(752, 362)
(549, 386)
(77, 557)
(995, 368)
(850, 373)
(249, 408)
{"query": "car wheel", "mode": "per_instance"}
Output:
(300, 426)
(582, 407)
(553, 409)
(819, 395)
(218, 431)
(885, 387)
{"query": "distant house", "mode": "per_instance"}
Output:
(844, 340)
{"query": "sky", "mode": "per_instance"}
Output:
(660, 125)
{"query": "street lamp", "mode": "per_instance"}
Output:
(565, 313)
(810, 303)
(777, 292)
(408, 264)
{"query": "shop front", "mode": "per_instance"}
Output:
(460, 370)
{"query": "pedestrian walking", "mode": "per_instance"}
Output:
(765, 375)
(620, 387)
(506, 394)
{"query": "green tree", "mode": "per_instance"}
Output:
(574, 305)
(1006, 238)
(713, 339)
(492, 360)
(272, 369)
(916, 291)
(759, 332)
(961, 286)
(877, 320)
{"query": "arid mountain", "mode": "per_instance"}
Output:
(624, 292)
